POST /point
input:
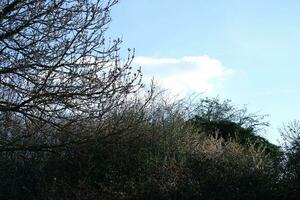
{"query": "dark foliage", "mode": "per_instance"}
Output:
(160, 157)
(216, 117)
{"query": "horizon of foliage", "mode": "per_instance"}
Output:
(159, 150)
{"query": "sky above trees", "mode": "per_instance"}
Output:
(247, 51)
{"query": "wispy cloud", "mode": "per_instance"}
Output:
(186, 74)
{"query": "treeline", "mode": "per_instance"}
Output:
(208, 149)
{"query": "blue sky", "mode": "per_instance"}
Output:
(244, 50)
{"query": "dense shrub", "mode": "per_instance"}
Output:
(143, 152)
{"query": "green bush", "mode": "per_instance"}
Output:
(215, 116)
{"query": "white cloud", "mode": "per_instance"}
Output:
(186, 74)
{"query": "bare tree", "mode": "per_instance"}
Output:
(56, 67)
(291, 143)
(291, 136)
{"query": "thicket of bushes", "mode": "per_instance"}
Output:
(209, 150)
